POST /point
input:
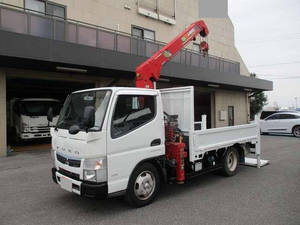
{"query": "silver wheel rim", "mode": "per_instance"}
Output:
(144, 185)
(297, 131)
(232, 161)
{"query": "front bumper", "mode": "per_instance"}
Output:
(25, 136)
(83, 188)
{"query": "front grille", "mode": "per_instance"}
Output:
(74, 176)
(61, 159)
(70, 162)
(39, 129)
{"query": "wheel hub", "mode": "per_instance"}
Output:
(144, 185)
(297, 131)
(232, 161)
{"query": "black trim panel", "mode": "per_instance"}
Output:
(53, 53)
(88, 189)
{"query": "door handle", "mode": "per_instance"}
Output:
(155, 142)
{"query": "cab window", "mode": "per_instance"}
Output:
(131, 112)
(287, 116)
(273, 117)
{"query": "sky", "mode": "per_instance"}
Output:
(267, 36)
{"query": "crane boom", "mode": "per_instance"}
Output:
(149, 70)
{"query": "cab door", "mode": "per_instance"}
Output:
(135, 133)
(271, 124)
(287, 122)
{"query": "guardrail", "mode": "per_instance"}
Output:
(24, 21)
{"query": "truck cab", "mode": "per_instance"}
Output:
(28, 117)
(126, 128)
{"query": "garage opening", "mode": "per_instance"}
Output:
(202, 105)
(28, 101)
(203, 102)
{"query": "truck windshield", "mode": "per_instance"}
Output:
(73, 109)
(39, 108)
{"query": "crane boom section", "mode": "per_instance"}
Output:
(149, 70)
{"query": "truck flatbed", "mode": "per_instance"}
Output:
(180, 101)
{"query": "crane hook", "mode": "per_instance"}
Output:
(204, 47)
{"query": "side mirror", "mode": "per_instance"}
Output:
(74, 129)
(50, 114)
(89, 116)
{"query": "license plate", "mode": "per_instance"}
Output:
(66, 183)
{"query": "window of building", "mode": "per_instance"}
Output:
(35, 5)
(137, 32)
(230, 115)
(131, 112)
(46, 7)
(143, 33)
(55, 10)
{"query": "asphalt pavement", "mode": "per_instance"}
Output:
(270, 195)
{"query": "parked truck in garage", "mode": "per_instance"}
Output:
(27, 118)
(129, 141)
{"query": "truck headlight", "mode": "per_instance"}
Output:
(95, 169)
(89, 175)
(25, 127)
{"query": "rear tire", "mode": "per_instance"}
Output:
(230, 162)
(296, 131)
(143, 185)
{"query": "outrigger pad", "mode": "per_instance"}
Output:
(253, 162)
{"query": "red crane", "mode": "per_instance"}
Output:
(149, 71)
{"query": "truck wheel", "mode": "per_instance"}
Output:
(296, 131)
(230, 162)
(143, 185)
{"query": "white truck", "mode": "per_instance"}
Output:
(129, 141)
(106, 143)
(28, 118)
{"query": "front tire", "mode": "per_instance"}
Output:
(143, 185)
(230, 162)
(296, 131)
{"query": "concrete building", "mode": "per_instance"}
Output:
(50, 48)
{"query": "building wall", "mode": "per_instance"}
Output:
(2, 113)
(225, 98)
(57, 76)
(222, 43)
(114, 15)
